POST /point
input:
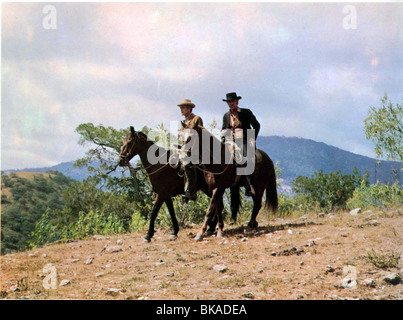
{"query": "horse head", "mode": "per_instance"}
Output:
(133, 144)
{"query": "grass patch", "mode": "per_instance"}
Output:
(383, 261)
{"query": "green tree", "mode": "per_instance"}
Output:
(384, 127)
(329, 191)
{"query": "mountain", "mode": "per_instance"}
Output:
(66, 168)
(296, 156)
(299, 156)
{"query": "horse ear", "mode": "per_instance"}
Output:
(132, 130)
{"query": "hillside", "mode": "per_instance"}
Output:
(326, 257)
(299, 156)
(296, 156)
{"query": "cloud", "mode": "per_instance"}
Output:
(124, 64)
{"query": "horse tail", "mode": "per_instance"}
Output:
(271, 202)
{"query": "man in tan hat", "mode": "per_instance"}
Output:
(191, 121)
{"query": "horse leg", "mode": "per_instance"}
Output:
(211, 211)
(175, 225)
(154, 212)
(235, 202)
(257, 204)
(212, 225)
(220, 208)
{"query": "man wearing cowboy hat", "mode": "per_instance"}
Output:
(191, 121)
(236, 123)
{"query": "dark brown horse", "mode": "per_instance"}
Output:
(165, 179)
(221, 173)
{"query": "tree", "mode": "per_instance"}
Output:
(101, 160)
(384, 126)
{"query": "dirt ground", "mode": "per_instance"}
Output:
(316, 256)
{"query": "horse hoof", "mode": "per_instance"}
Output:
(198, 237)
(173, 237)
(209, 233)
(253, 225)
(147, 240)
(219, 234)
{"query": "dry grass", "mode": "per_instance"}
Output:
(184, 269)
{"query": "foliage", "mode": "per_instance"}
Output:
(387, 260)
(329, 191)
(376, 196)
(86, 225)
(29, 199)
(384, 126)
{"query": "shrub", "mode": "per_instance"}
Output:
(329, 191)
(375, 196)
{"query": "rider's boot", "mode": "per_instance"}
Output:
(249, 189)
(190, 189)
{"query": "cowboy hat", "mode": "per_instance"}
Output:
(232, 96)
(186, 102)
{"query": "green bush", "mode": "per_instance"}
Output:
(328, 191)
(376, 196)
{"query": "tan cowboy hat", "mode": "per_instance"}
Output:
(186, 102)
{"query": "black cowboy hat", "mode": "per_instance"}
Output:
(232, 96)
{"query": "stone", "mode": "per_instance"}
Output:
(114, 249)
(89, 260)
(220, 268)
(369, 282)
(355, 211)
(112, 292)
(393, 278)
(64, 282)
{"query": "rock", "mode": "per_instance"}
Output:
(220, 268)
(369, 283)
(114, 249)
(289, 252)
(100, 274)
(349, 283)
(64, 282)
(119, 242)
(393, 278)
(89, 260)
(329, 269)
(32, 255)
(355, 211)
(159, 263)
(112, 292)
(15, 288)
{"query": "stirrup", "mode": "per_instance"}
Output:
(250, 192)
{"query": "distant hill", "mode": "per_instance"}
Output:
(66, 168)
(299, 156)
(296, 156)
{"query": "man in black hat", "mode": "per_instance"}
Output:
(236, 123)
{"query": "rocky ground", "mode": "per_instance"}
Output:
(344, 255)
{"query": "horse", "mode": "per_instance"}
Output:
(220, 173)
(165, 179)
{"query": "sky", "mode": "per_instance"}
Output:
(309, 70)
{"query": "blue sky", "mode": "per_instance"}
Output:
(119, 64)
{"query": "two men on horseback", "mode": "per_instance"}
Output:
(237, 123)
(237, 126)
(191, 120)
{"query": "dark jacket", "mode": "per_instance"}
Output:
(247, 121)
